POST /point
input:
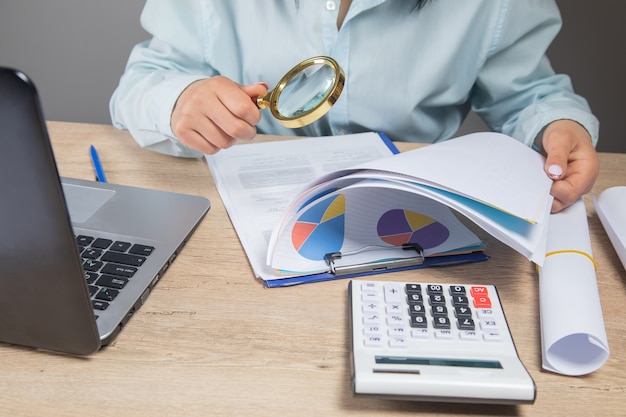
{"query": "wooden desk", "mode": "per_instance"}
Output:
(212, 341)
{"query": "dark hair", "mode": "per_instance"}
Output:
(419, 4)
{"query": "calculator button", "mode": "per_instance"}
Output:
(371, 318)
(398, 342)
(420, 333)
(462, 311)
(434, 289)
(373, 341)
(482, 302)
(460, 300)
(419, 321)
(370, 307)
(393, 292)
(493, 335)
(417, 309)
(394, 308)
(443, 334)
(468, 335)
(466, 324)
(488, 324)
(479, 291)
(415, 298)
(413, 288)
(439, 310)
(369, 296)
(395, 319)
(484, 313)
(437, 299)
(372, 330)
(441, 323)
(397, 331)
(457, 290)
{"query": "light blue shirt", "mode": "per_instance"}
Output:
(412, 74)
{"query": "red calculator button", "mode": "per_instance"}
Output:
(481, 297)
(482, 301)
(476, 291)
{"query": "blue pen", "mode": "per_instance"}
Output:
(97, 165)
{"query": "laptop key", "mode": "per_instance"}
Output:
(119, 270)
(107, 294)
(101, 243)
(144, 250)
(111, 281)
(99, 305)
(82, 240)
(91, 265)
(123, 258)
(93, 290)
(120, 246)
(90, 277)
(91, 253)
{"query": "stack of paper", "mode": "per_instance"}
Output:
(490, 178)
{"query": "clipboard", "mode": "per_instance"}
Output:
(373, 266)
(428, 262)
(240, 183)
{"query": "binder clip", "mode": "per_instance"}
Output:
(375, 266)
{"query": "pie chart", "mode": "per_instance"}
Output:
(320, 230)
(399, 226)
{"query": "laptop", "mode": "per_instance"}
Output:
(77, 258)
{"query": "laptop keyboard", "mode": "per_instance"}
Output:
(108, 266)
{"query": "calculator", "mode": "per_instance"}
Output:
(434, 342)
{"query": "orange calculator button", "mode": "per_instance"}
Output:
(481, 297)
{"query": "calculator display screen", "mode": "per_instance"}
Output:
(401, 360)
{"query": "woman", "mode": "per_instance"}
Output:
(414, 68)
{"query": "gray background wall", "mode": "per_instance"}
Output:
(75, 50)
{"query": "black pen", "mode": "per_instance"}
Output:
(97, 165)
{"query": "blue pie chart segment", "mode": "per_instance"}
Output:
(320, 230)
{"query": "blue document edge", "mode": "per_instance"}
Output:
(445, 260)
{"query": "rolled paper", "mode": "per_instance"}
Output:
(573, 336)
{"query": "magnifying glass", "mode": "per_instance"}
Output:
(305, 93)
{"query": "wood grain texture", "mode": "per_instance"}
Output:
(211, 340)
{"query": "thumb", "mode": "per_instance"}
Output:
(257, 89)
(556, 161)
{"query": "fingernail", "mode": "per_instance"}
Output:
(555, 172)
(264, 84)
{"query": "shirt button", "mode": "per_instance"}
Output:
(331, 5)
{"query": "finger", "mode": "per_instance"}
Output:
(556, 160)
(257, 90)
(236, 119)
(198, 131)
(564, 193)
(207, 138)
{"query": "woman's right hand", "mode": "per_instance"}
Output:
(212, 113)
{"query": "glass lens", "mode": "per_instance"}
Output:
(306, 90)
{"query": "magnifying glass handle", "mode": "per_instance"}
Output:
(260, 102)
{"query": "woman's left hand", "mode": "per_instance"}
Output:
(571, 162)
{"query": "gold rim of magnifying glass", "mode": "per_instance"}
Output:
(271, 100)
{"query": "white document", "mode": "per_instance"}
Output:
(492, 179)
(610, 208)
(257, 181)
(573, 336)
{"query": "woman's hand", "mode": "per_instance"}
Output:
(212, 113)
(571, 162)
